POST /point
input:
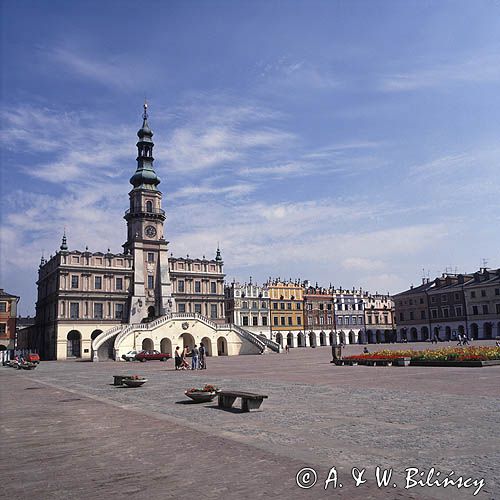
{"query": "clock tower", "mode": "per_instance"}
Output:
(151, 294)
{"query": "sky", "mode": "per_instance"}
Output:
(347, 142)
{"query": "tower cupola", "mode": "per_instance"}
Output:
(145, 177)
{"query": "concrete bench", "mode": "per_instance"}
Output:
(249, 400)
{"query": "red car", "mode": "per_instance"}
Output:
(149, 355)
(32, 358)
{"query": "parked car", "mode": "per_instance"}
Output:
(32, 358)
(149, 355)
(130, 356)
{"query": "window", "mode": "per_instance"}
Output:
(213, 310)
(283, 321)
(74, 281)
(254, 305)
(180, 286)
(497, 291)
(329, 307)
(321, 306)
(197, 286)
(197, 308)
(3, 307)
(244, 305)
(401, 317)
(411, 302)
(354, 320)
(298, 306)
(433, 299)
(98, 282)
(457, 296)
(485, 309)
(421, 300)
(339, 321)
(434, 313)
(309, 307)
(151, 257)
(483, 293)
(245, 320)
(299, 320)
(275, 321)
(98, 310)
(473, 295)
(275, 305)
(446, 312)
(289, 306)
(181, 308)
(255, 321)
(149, 206)
(3, 329)
(151, 281)
(282, 305)
(263, 305)
(264, 320)
(290, 320)
(475, 310)
(411, 315)
(213, 287)
(444, 298)
(422, 315)
(497, 308)
(458, 310)
(74, 310)
(346, 320)
(119, 283)
(119, 311)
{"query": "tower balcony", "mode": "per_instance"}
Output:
(142, 213)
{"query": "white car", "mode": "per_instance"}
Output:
(130, 356)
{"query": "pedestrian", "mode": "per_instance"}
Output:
(184, 364)
(365, 350)
(287, 348)
(178, 358)
(465, 340)
(460, 340)
(202, 364)
(194, 358)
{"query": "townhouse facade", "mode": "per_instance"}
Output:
(8, 318)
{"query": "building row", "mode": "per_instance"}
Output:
(298, 314)
(450, 305)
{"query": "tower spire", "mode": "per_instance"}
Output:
(64, 243)
(145, 176)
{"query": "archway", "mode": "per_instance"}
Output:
(333, 339)
(362, 337)
(148, 345)
(322, 339)
(301, 340)
(461, 329)
(289, 339)
(312, 339)
(413, 335)
(488, 331)
(207, 343)
(474, 331)
(498, 329)
(447, 333)
(342, 337)
(424, 332)
(93, 336)
(222, 346)
(74, 344)
(352, 337)
(279, 339)
(187, 340)
(95, 333)
(166, 346)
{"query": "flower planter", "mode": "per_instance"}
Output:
(201, 396)
(130, 382)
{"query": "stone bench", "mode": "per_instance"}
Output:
(249, 400)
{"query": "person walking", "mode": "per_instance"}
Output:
(195, 353)
(184, 363)
(202, 363)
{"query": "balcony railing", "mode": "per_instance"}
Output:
(143, 210)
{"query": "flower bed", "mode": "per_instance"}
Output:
(456, 354)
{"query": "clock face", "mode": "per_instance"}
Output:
(150, 231)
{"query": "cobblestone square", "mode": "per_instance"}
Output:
(67, 432)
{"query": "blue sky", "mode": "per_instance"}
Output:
(347, 142)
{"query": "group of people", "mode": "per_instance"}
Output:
(198, 358)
